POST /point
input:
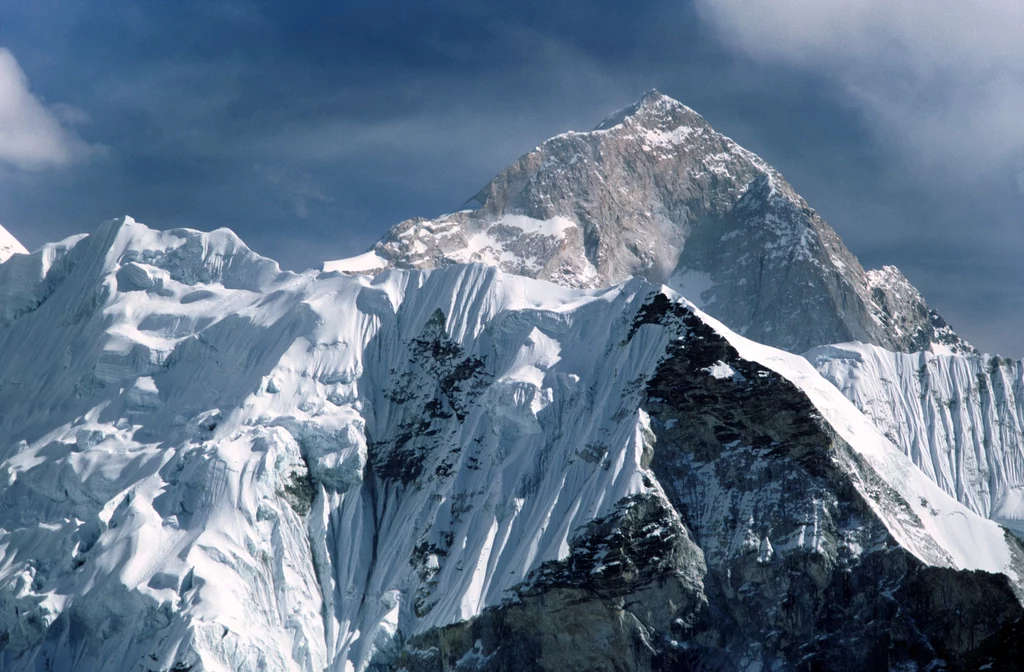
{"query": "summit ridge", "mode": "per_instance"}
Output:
(654, 191)
(653, 109)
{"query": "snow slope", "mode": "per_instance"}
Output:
(208, 461)
(9, 245)
(960, 418)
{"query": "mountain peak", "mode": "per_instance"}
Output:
(654, 110)
(9, 245)
(655, 191)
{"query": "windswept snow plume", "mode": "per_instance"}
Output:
(209, 463)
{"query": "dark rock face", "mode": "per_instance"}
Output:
(630, 586)
(654, 191)
(1003, 651)
(903, 311)
(801, 573)
(765, 552)
(430, 390)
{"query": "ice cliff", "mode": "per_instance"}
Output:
(959, 418)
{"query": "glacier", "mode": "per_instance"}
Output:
(212, 464)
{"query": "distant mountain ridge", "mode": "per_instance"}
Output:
(654, 191)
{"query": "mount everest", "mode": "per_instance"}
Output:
(654, 191)
(419, 459)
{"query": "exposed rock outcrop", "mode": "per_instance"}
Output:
(654, 191)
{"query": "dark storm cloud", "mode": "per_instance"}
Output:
(310, 128)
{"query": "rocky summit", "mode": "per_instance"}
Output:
(654, 191)
(541, 434)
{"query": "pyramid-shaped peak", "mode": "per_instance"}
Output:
(654, 99)
(9, 245)
(653, 110)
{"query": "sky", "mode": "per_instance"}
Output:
(310, 128)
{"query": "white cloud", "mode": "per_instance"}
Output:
(32, 135)
(940, 80)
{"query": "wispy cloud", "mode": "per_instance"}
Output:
(32, 135)
(299, 189)
(942, 81)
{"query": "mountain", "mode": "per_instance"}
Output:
(959, 418)
(654, 191)
(9, 245)
(211, 464)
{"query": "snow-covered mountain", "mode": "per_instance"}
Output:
(654, 191)
(959, 418)
(210, 464)
(9, 245)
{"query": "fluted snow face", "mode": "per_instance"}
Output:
(9, 245)
(208, 461)
(654, 191)
(960, 418)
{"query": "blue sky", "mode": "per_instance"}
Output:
(310, 128)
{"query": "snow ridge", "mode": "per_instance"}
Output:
(9, 245)
(208, 461)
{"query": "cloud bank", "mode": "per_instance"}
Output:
(32, 135)
(942, 81)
